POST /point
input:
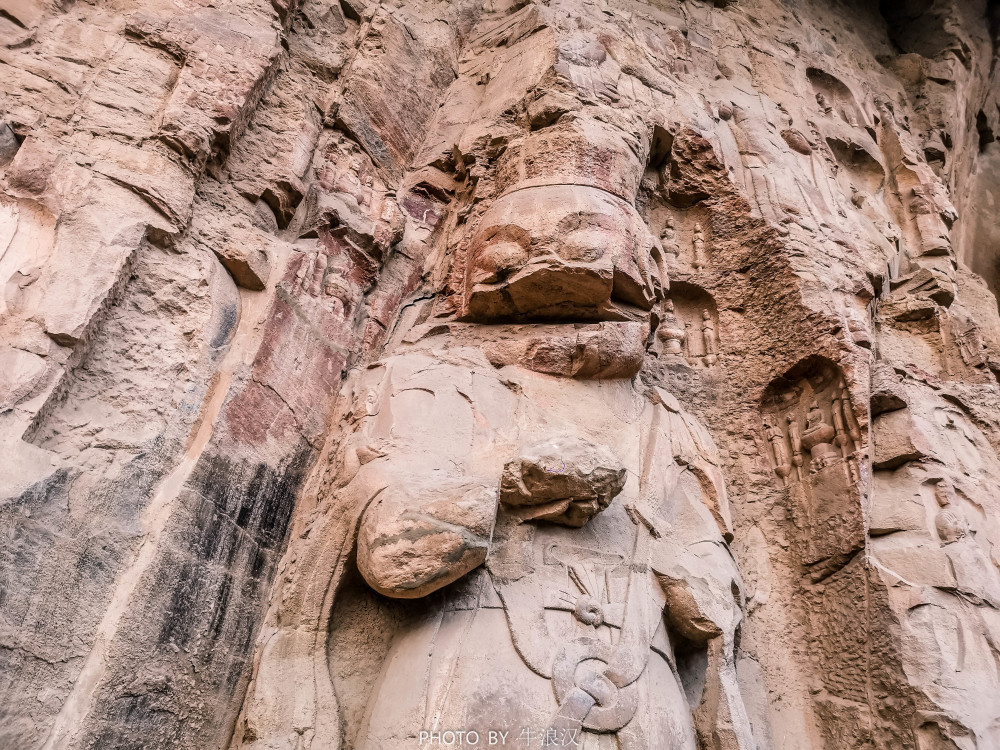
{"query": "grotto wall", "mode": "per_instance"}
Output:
(612, 373)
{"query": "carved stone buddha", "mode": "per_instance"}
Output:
(563, 537)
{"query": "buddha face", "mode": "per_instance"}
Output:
(568, 252)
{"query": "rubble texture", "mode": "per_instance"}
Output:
(622, 373)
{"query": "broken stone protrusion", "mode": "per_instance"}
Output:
(565, 480)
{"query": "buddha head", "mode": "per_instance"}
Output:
(563, 241)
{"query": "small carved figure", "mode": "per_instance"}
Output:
(309, 277)
(853, 429)
(689, 345)
(319, 272)
(971, 346)
(708, 336)
(943, 493)
(671, 332)
(699, 247)
(951, 525)
(340, 294)
(840, 433)
(843, 438)
(818, 437)
(795, 434)
(668, 230)
(779, 444)
(668, 238)
(13, 291)
(823, 103)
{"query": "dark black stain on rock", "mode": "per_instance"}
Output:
(227, 324)
(179, 669)
(61, 551)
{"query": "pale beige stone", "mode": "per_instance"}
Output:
(623, 369)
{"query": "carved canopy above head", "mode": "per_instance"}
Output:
(580, 151)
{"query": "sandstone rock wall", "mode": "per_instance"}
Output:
(339, 340)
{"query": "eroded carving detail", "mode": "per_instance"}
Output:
(815, 442)
(687, 328)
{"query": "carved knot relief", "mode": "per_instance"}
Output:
(592, 686)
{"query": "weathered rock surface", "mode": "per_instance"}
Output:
(600, 372)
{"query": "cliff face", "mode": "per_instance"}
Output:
(621, 370)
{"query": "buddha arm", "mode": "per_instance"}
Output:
(429, 453)
(423, 532)
(702, 589)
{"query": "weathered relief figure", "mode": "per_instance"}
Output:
(708, 337)
(779, 446)
(970, 343)
(941, 544)
(698, 246)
